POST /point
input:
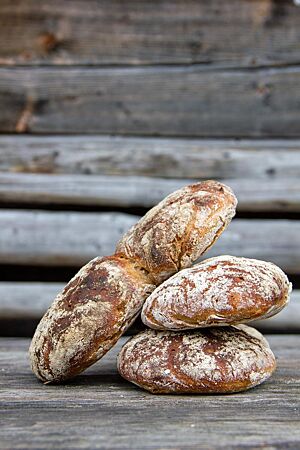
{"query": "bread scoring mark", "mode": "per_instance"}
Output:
(216, 360)
(219, 291)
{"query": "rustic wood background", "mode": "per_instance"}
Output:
(107, 106)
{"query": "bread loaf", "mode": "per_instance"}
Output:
(97, 306)
(88, 317)
(212, 360)
(173, 234)
(219, 291)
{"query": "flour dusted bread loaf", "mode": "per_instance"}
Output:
(173, 234)
(212, 360)
(88, 317)
(223, 290)
(97, 306)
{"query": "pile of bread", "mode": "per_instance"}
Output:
(195, 342)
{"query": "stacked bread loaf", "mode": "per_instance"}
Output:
(103, 299)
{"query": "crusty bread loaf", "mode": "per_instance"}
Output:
(212, 360)
(223, 290)
(88, 317)
(95, 308)
(173, 234)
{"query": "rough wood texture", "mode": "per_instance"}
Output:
(253, 195)
(154, 157)
(165, 32)
(69, 238)
(187, 101)
(30, 301)
(100, 410)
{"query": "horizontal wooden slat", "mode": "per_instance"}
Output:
(253, 195)
(99, 409)
(187, 101)
(65, 239)
(154, 157)
(30, 300)
(69, 238)
(165, 31)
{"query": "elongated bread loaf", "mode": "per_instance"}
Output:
(96, 307)
(223, 290)
(212, 360)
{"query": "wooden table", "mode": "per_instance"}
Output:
(101, 410)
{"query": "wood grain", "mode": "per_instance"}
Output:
(100, 410)
(141, 33)
(253, 195)
(187, 101)
(153, 157)
(73, 238)
(24, 301)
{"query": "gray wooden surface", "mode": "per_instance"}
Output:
(166, 101)
(267, 159)
(106, 32)
(118, 191)
(100, 410)
(73, 238)
(30, 300)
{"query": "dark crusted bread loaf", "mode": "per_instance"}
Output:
(96, 307)
(219, 291)
(88, 317)
(173, 234)
(212, 360)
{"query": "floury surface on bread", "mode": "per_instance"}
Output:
(176, 232)
(100, 302)
(213, 360)
(224, 290)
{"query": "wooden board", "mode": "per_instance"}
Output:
(29, 301)
(154, 157)
(253, 195)
(187, 101)
(108, 32)
(69, 238)
(100, 410)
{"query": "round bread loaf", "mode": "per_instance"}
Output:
(101, 301)
(219, 291)
(176, 232)
(88, 317)
(212, 360)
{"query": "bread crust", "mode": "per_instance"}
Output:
(224, 290)
(176, 232)
(88, 317)
(215, 360)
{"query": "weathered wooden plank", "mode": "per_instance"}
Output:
(66, 238)
(162, 32)
(154, 157)
(73, 238)
(253, 195)
(187, 101)
(100, 410)
(23, 301)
